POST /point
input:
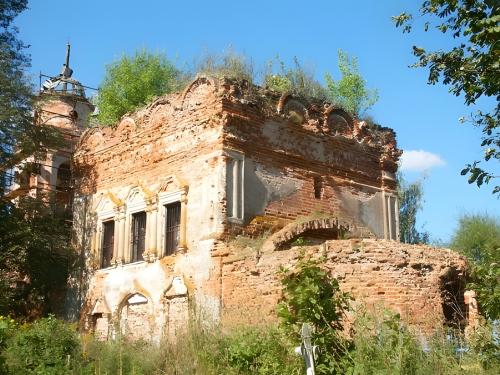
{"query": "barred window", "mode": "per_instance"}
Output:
(138, 235)
(108, 241)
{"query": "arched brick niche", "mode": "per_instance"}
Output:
(293, 109)
(338, 122)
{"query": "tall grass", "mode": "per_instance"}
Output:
(379, 344)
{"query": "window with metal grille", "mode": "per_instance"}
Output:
(108, 240)
(172, 227)
(138, 235)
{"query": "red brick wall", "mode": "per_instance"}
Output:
(404, 278)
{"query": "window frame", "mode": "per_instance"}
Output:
(133, 207)
(104, 223)
(132, 251)
(178, 225)
(164, 199)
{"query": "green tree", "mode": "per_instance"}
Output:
(311, 295)
(410, 203)
(478, 238)
(18, 137)
(35, 257)
(471, 68)
(132, 82)
(33, 241)
(350, 90)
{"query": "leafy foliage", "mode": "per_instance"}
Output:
(311, 295)
(48, 346)
(410, 202)
(471, 68)
(8, 327)
(132, 82)
(257, 352)
(33, 241)
(18, 137)
(350, 91)
(296, 79)
(248, 350)
(35, 256)
(478, 238)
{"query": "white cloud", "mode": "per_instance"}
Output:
(420, 160)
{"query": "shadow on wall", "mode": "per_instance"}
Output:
(369, 211)
(259, 194)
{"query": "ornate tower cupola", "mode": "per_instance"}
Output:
(62, 101)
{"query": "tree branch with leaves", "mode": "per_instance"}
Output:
(471, 68)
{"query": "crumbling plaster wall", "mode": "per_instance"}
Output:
(188, 139)
(172, 145)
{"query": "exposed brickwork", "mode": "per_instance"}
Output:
(406, 278)
(241, 159)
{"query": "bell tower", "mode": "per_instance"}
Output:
(61, 103)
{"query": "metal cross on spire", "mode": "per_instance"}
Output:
(67, 72)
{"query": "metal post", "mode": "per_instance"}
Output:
(306, 349)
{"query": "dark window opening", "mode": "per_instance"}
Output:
(63, 178)
(452, 294)
(138, 236)
(108, 240)
(318, 187)
(172, 227)
(63, 187)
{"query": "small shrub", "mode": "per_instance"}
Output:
(263, 352)
(296, 79)
(8, 327)
(311, 295)
(228, 64)
(48, 346)
(122, 357)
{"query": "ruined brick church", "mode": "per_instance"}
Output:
(194, 201)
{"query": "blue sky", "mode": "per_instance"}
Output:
(424, 117)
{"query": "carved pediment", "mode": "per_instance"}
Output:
(172, 184)
(198, 90)
(293, 109)
(135, 197)
(105, 206)
(338, 122)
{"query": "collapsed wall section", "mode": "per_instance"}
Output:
(421, 283)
